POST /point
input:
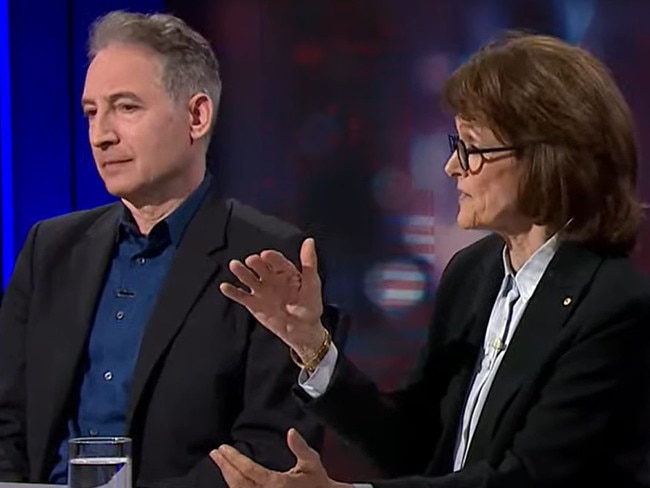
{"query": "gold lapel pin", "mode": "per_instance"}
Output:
(567, 301)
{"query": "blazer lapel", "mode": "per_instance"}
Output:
(557, 294)
(478, 313)
(486, 294)
(65, 337)
(191, 271)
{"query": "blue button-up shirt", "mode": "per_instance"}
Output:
(136, 273)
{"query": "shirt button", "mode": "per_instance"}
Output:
(108, 376)
(93, 433)
(119, 315)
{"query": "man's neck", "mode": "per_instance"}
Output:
(148, 216)
(147, 212)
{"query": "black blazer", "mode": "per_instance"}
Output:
(569, 405)
(206, 372)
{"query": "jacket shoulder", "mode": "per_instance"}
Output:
(249, 222)
(476, 255)
(74, 221)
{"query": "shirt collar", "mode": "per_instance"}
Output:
(530, 274)
(175, 223)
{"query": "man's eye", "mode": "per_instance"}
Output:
(125, 107)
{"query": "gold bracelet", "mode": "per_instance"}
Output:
(310, 366)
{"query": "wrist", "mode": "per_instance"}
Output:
(309, 358)
(307, 346)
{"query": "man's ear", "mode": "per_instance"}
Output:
(201, 109)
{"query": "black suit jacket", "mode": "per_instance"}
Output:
(568, 407)
(206, 372)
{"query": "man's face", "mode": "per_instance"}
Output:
(140, 135)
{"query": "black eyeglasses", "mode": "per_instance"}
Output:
(456, 144)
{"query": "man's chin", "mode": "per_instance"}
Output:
(119, 189)
(117, 192)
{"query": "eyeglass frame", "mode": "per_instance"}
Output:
(456, 144)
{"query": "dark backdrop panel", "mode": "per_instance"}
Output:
(331, 119)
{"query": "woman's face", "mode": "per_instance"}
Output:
(488, 190)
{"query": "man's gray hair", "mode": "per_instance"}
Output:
(189, 63)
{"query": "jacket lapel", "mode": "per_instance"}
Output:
(557, 294)
(64, 339)
(476, 317)
(486, 293)
(193, 267)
